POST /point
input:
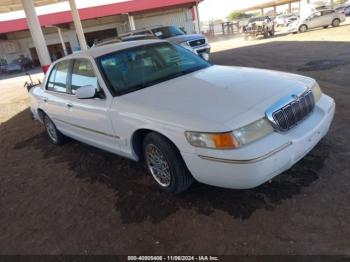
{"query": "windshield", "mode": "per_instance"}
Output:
(259, 18)
(167, 31)
(139, 67)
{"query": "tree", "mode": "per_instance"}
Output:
(238, 15)
(340, 2)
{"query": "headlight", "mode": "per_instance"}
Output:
(230, 140)
(212, 140)
(253, 131)
(317, 92)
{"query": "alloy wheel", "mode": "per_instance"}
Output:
(51, 130)
(158, 165)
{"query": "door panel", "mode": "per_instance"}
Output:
(328, 17)
(89, 118)
(316, 20)
(54, 99)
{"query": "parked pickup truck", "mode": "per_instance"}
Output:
(194, 42)
(156, 102)
(260, 25)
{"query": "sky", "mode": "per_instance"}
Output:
(212, 9)
(208, 9)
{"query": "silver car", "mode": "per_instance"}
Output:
(196, 43)
(322, 18)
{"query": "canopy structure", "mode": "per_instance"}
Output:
(34, 22)
(15, 5)
(35, 27)
(274, 3)
(268, 4)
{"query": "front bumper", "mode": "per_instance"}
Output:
(203, 50)
(220, 169)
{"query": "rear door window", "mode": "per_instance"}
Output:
(58, 77)
(327, 12)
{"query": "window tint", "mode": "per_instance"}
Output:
(327, 12)
(143, 66)
(58, 77)
(167, 31)
(82, 75)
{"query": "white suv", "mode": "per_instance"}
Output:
(231, 127)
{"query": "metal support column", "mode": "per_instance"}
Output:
(37, 34)
(77, 24)
(197, 18)
(131, 22)
(59, 31)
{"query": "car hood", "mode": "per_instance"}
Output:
(183, 38)
(217, 97)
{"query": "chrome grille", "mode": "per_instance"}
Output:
(290, 114)
(197, 42)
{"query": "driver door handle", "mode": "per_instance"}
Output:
(69, 105)
(45, 99)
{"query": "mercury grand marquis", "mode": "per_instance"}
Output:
(152, 101)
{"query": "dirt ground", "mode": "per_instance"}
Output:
(76, 199)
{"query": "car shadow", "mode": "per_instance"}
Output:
(137, 196)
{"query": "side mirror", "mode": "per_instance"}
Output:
(85, 92)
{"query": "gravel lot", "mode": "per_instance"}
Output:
(76, 199)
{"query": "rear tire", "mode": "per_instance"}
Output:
(266, 33)
(165, 164)
(303, 28)
(336, 22)
(55, 136)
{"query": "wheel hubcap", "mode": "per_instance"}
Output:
(51, 130)
(158, 165)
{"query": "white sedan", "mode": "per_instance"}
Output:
(149, 100)
(323, 18)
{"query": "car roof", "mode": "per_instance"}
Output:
(142, 29)
(110, 48)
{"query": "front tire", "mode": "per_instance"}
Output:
(55, 136)
(335, 22)
(266, 33)
(165, 164)
(302, 28)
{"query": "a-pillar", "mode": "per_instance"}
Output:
(37, 34)
(77, 24)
